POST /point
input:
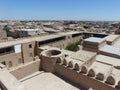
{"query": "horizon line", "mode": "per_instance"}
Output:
(60, 20)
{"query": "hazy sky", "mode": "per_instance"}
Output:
(60, 10)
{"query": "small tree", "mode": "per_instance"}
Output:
(7, 29)
(73, 46)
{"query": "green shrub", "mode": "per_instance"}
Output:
(73, 46)
(7, 29)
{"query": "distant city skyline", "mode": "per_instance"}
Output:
(85, 10)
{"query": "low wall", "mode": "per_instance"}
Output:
(81, 79)
(26, 69)
(13, 57)
(2, 87)
(110, 54)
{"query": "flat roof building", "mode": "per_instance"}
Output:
(93, 44)
(30, 32)
(41, 62)
(111, 39)
(110, 51)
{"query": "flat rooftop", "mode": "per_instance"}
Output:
(10, 81)
(47, 81)
(111, 49)
(47, 47)
(111, 37)
(69, 33)
(30, 30)
(94, 39)
(29, 39)
(82, 55)
(100, 67)
(117, 43)
(108, 60)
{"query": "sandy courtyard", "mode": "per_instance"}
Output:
(47, 81)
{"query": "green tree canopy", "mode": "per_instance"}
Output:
(7, 29)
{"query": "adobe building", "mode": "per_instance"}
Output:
(30, 32)
(93, 44)
(111, 39)
(18, 51)
(42, 63)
